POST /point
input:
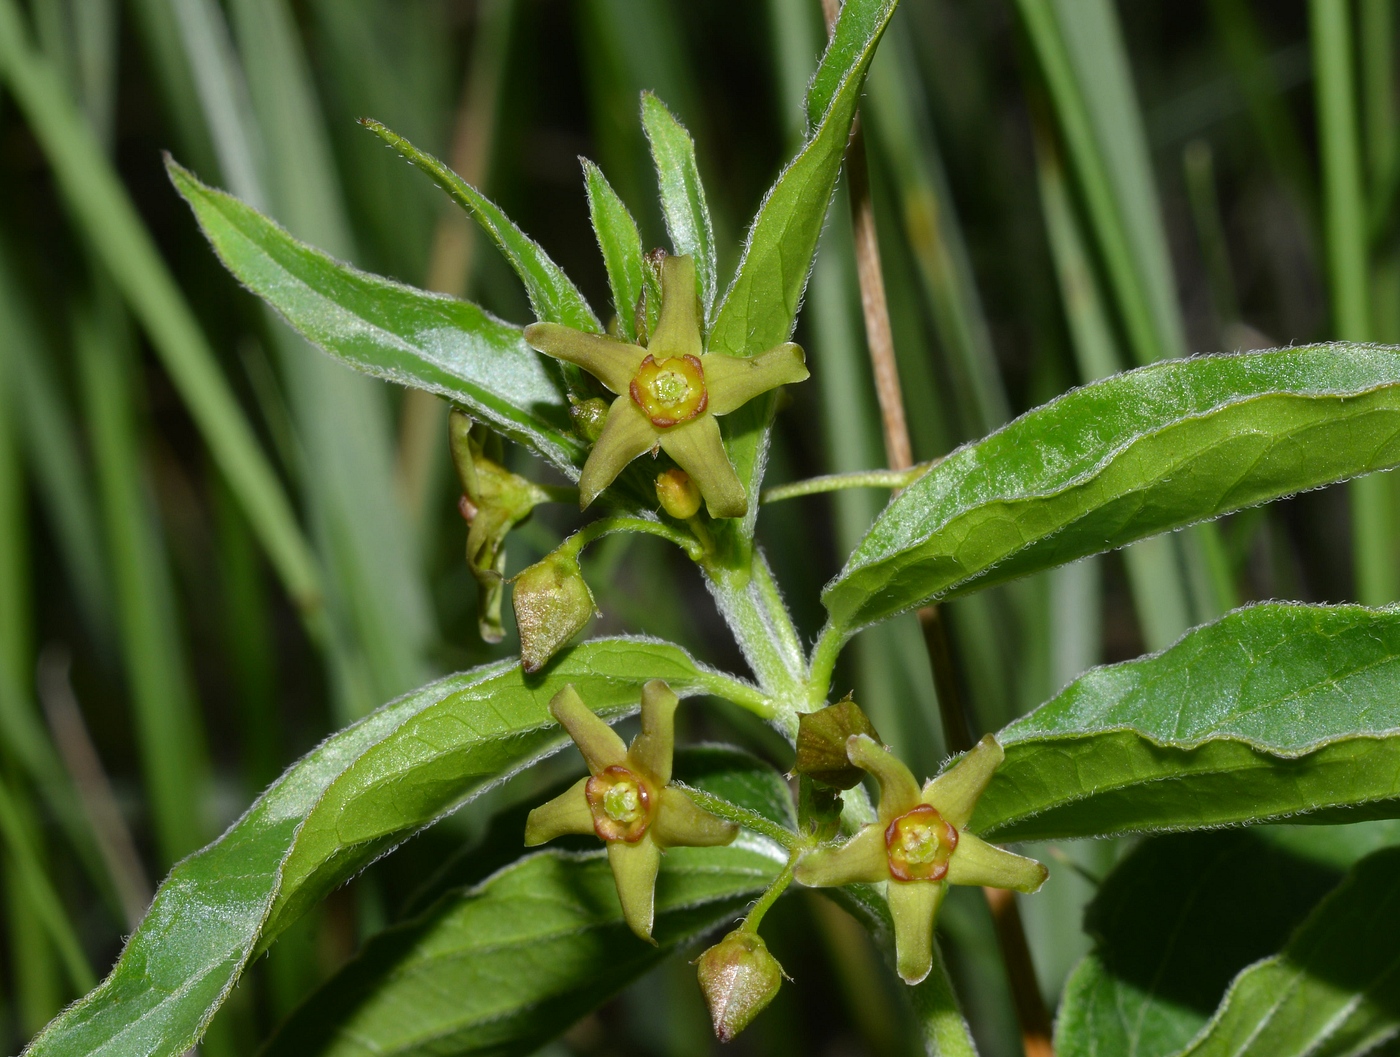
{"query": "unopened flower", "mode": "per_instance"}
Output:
(739, 978)
(552, 604)
(920, 845)
(669, 392)
(627, 800)
(677, 494)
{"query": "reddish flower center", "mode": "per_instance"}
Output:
(919, 844)
(670, 392)
(621, 803)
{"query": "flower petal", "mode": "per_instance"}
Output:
(599, 743)
(899, 792)
(682, 823)
(698, 450)
(862, 858)
(626, 434)
(975, 862)
(732, 381)
(634, 869)
(610, 361)
(955, 792)
(566, 813)
(654, 746)
(678, 330)
(913, 906)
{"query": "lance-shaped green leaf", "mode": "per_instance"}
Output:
(1335, 989)
(553, 296)
(353, 798)
(504, 966)
(1125, 458)
(760, 307)
(392, 331)
(1272, 711)
(1172, 925)
(621, 246)
(682, 197)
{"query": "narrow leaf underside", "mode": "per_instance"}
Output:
(1132, 456)
(357, 795)
(1273, 711)
(429, 341)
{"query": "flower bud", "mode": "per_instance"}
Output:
(677, 494)
(739, 978)
(552, 605)
(589, 416)
(821, 743)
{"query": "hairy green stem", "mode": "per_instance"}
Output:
(596, 530)
(738, 692)
(824, 654)
(750, 820)
(770, 896)
(833, 482)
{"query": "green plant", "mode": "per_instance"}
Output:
(661, 423)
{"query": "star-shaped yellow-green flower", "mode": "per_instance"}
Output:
(627, 799)
(920, 846)
(669, 393)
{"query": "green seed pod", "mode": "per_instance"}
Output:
(739, 978)
(821, 743)
(589, 418)
(552, 605)
(677, 494)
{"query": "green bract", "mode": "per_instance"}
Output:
(669, 392)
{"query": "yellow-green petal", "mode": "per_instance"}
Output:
(634, 868)
(955, 792)
(611, 361)
(626, 434)
(681, 823)
(599, 743)
(861, 859)
(698, 450)
(732, 381)
(914, 906)
(975, 862)
(678, 330)
(899, 792)
(653, 748)
(567, 813)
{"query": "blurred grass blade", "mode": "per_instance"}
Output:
(179, 97)
(682, 196)
(349, 801)
(1376, 562)
(109, 221)
(553, 295)
(904, 134)
(621, 246)
(168, 725)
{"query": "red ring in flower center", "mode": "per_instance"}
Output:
(919, 844)
(670, 392)
(622, 804)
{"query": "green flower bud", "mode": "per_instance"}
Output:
(589, 418)
(821, 743)
(552, 605)
(739, 978)
(677, 494)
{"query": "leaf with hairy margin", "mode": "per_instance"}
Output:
(1272, 711)
(1125, 458)
(358, 794)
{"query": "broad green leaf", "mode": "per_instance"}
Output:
(1128, 457)
(1273, 711)
(682, 196)
(621, 246)
(393, 331)
(1172, 924)
(502, 968)
(350, 800)
(1333, 990)
(760, 306)
(526, 952)
(553, 296)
